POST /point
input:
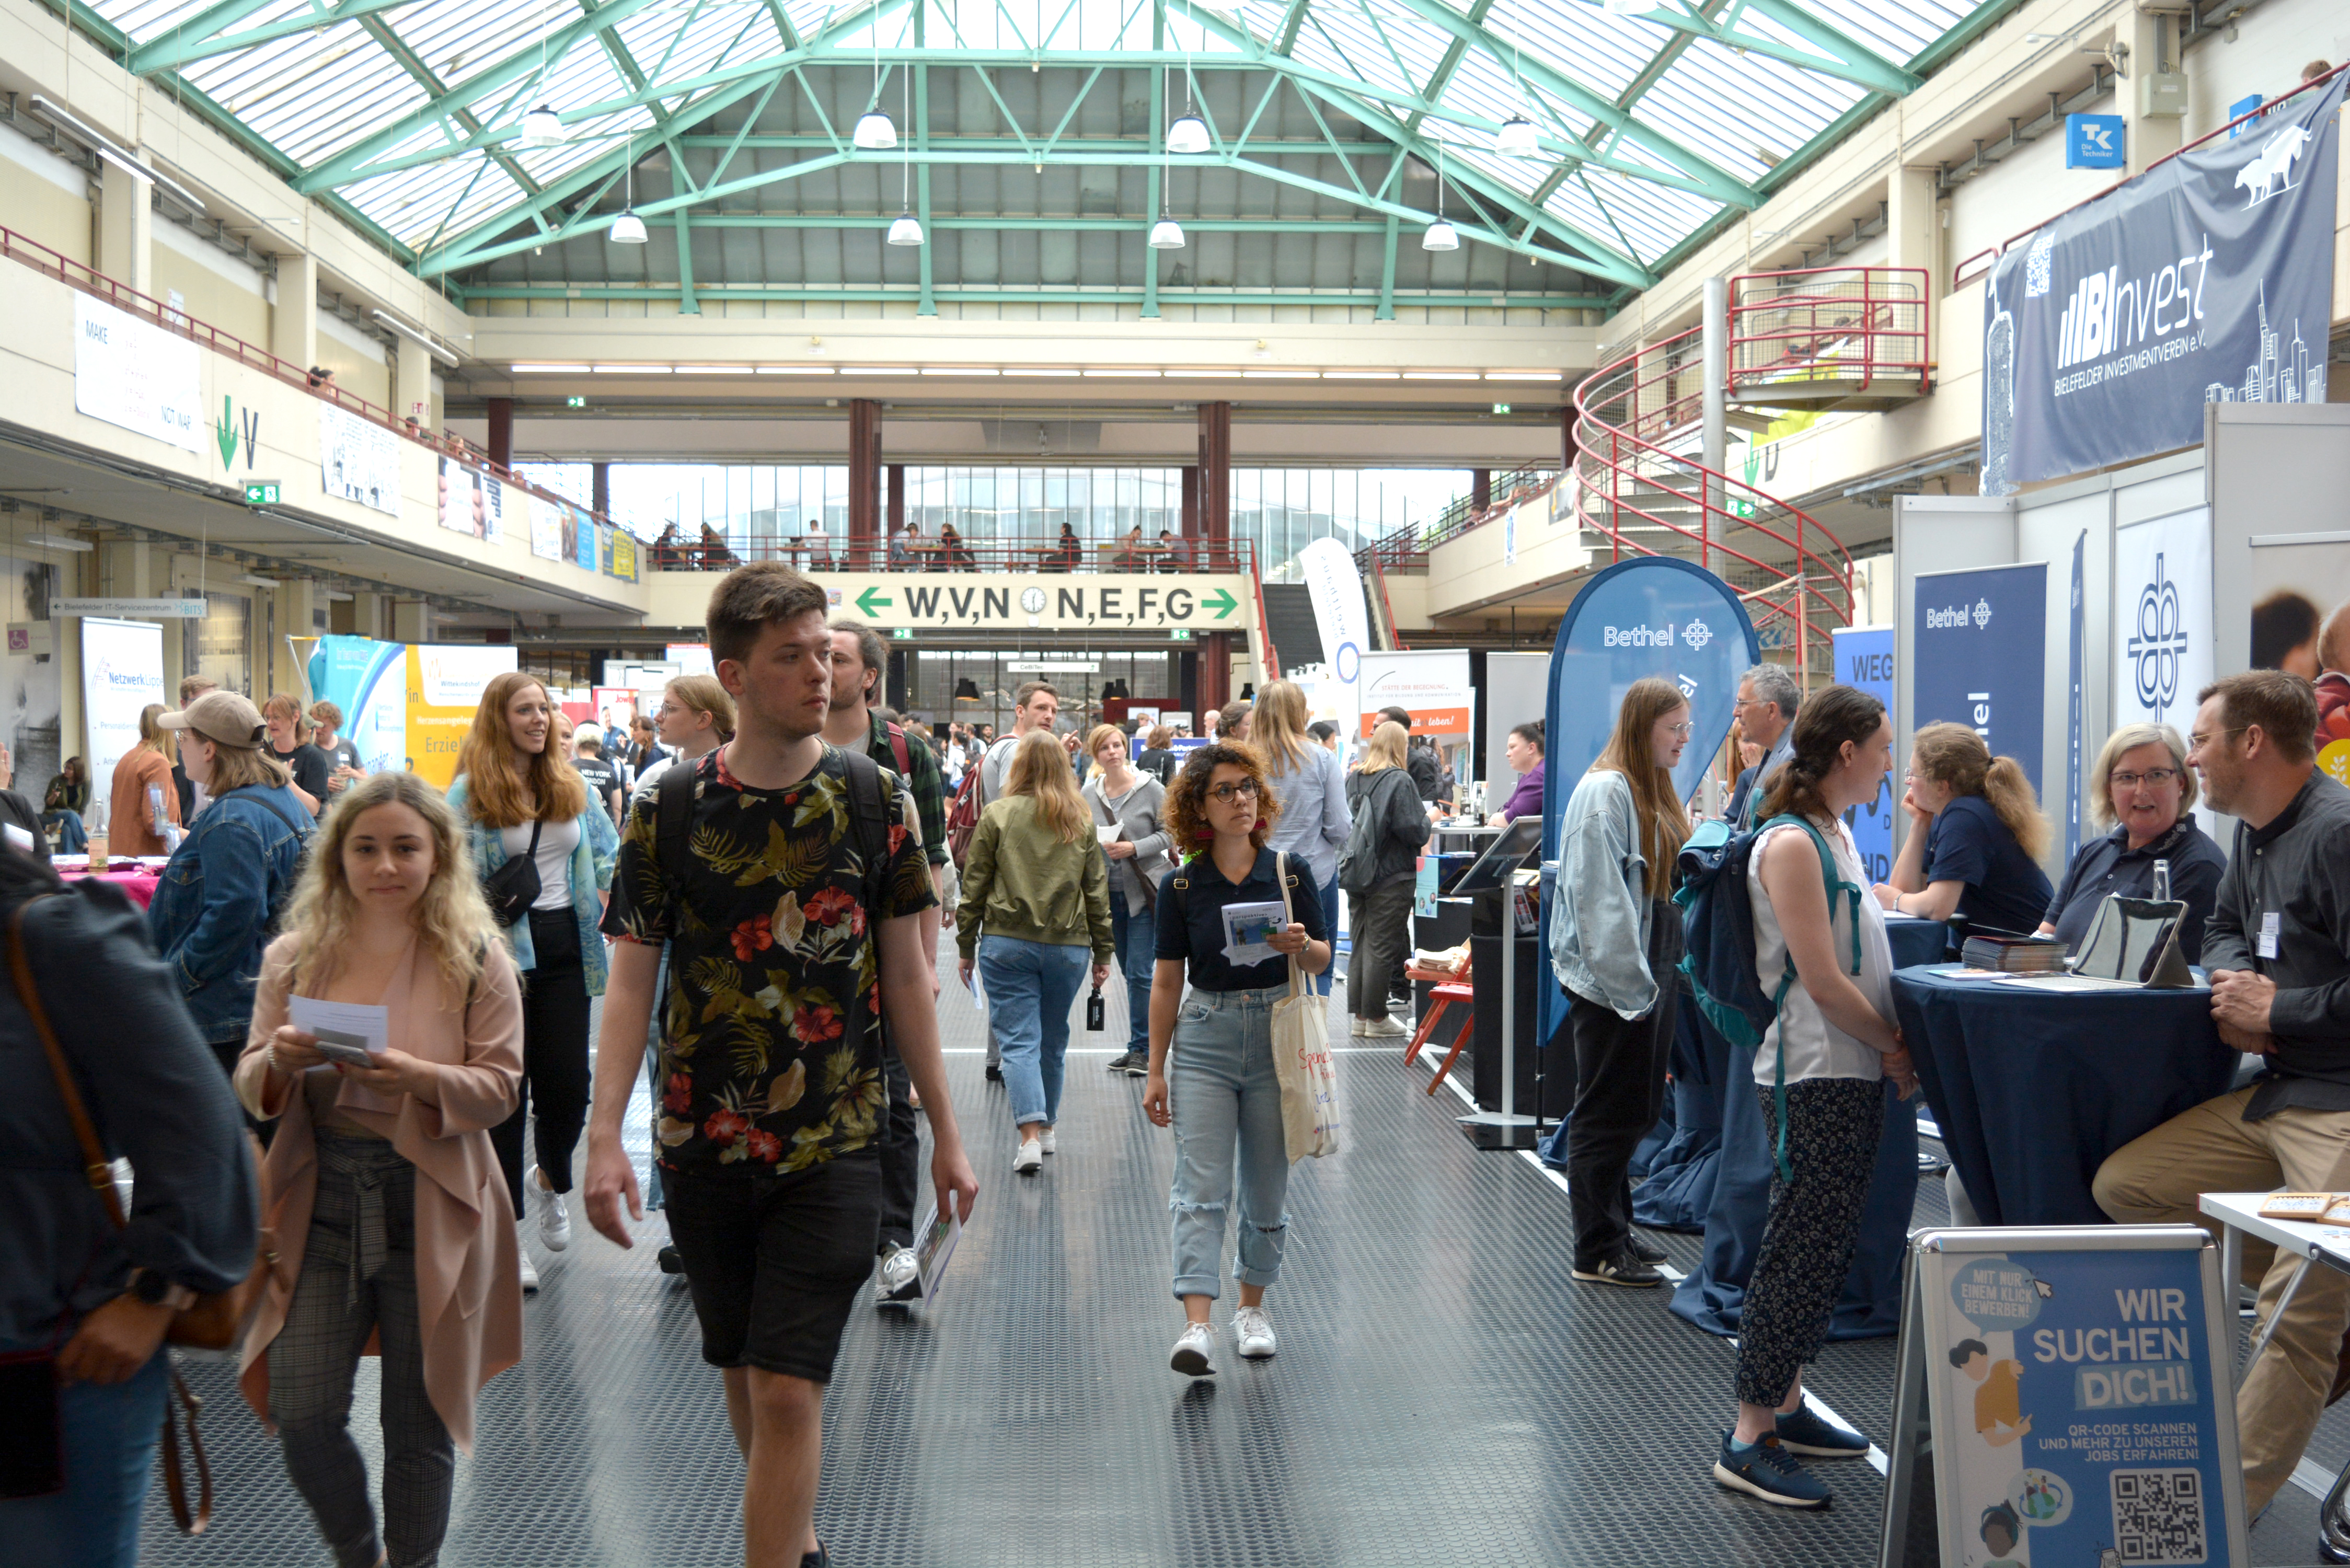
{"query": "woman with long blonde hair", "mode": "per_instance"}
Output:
(1036, 897)
(1388, 826)
(522, 803)
(1975, 838)
(1615, 939)
(1314, 820)
(379, 1186)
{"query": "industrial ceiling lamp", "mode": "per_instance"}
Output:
(906, 230)
(1516, 138)
(1189, 134)
(628, 229)
(875, 130)
(541, 128)
(1165, 234)
(1441, 236)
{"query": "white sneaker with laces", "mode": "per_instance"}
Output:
(1356, 1027)
(1031, 1156)
(901, 1278)
(1384, 1029)
(1195, 1351)
(529, 1270)
(1052, 1145)
(554, 1216)
(1253, 1332)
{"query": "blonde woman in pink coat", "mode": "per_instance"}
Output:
(391, 1220)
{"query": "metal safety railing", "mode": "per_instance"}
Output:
(79, 275)
(676, 551)
(1639, 490)
(1830, 332)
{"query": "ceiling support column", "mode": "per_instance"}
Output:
(1215, 499)
(502, 432)
(897, 512)
(863, 477)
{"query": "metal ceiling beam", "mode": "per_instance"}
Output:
(204, 36)
(393, 45)
(991, 295)
(1854, 61)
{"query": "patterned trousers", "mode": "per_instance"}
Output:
(359, 1276)
(1833, 1127)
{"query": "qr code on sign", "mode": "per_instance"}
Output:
(2159, 1516)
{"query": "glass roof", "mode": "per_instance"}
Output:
(1653, 116)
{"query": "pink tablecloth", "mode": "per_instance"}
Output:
(139, 884)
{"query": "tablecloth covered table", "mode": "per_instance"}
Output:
(2033, 1088)
(138, 881)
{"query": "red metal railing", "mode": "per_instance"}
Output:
(930, 553)
(1961, 276)
(1784, 563)
(1272, 659)
(1387, 604)
(31, 253)
(1833, 325)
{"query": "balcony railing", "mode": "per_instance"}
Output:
(1406, 549)
(1848, 336)
(930, 552)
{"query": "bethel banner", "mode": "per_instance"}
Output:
(2208, 279)
(1982, 658)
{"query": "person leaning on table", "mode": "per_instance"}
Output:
(2143, 794)
(2277, 946)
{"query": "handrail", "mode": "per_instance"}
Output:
(1395, 632)
(1264, 626)
(1864, 324)
(915, 554)
(1959, 273)
(31, 253)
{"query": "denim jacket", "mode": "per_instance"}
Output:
(218, 898)
(1599, 917)
(591, 871)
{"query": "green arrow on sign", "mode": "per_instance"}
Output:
(1223, 603)
(227, 434)
(866, 600)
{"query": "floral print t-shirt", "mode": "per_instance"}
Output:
(771, 1044)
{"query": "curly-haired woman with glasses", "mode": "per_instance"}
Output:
(1212, 1076)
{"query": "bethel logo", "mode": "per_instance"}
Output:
(1982, 613)
(1637, 637)
(1955, 619)
(1697, 634)
(2160, 642)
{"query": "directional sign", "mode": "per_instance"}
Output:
(262, 491)
(1223, 603)
(872, 602)
(131, 609)
(1180, 634)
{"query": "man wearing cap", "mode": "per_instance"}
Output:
(219, 899)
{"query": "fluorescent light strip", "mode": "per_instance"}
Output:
(1279, 375)
(1522, 375)
(1360, 375)
(1439, 375)
(634, 370)
(958, 370)
(1129, 375)
(1220, 375)
(550, 370)
(795, 369)
(713, 369)
(877, 371)
(1063, 373)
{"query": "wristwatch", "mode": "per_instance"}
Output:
(154, 1290)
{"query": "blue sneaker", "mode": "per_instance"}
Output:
(1768, 1471)
(1804, 1432)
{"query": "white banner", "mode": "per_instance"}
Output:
(121, 673)
(133, 373)
(1335, 584)
(2162, 623)
(359, 460)
(546, 521)
(1432, 687)
(455, 673)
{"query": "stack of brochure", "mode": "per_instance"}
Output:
(2014, 955)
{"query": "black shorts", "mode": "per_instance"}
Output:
(776, 1260)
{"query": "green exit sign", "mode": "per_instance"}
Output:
(1180, 634)
(261, 492)
(903, 633)
(1500, 408)
(574, 403)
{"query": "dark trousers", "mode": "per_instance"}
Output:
(1620, 1092)
(901, 1157)
(1833, 1125)
(554, 1056)
(1379, 923)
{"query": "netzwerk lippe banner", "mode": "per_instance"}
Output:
(2208, 279)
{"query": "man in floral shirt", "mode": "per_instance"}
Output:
(788, 951)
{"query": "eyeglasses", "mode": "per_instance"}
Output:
(2197, 743)
(1681, 728)
(1228, 792)
(2157, 777)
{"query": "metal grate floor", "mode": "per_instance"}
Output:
(1444, 1393)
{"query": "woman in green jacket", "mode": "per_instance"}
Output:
(1035, 883)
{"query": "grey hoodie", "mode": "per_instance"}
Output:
(1140, 817)
(1599, 919)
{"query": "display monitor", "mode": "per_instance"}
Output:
(1505, 855)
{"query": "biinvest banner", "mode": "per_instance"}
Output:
(1982, 658)
(2208, 279)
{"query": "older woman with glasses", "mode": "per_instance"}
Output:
(2143, 797)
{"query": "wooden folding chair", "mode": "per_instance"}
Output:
(1449, 988)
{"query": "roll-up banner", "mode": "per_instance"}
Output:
(121, 673)
(1432, 687)
(367, 679)
(2077, 647)
(1982, 658)
(2208, 279)
(2162, 622)
(1335, 585)
(444, 687)
(1863, 661)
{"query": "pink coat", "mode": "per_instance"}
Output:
(468, 1267)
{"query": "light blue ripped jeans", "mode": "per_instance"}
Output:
(1226, 1099)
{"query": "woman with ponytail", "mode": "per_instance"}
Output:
(1615, 939)
(1975, 838)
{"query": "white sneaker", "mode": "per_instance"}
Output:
(529, 1270)
(1253, 1332)
(901, 1278)
(1052, 1145)
(1384, 1028)
(1356, 1025)
(1195, 1351)
(554, 1215)
(1031, 1156)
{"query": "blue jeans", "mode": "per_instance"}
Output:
(1227, 1103)
(109, 1447)
(72, 838)
(1031, 987)
(1136, 936)
(1329, 924)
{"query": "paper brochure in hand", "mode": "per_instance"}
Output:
(1249, 930)
(348, 1031)
(936, 1246)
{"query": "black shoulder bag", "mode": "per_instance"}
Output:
(513, 887)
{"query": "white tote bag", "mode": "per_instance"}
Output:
(1301, 1054)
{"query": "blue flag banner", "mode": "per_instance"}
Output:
(1654, 615)
(1863, 661)
(369, 681)
(1982, 658)
(2208, 278)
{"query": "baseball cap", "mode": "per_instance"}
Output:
(222, 717)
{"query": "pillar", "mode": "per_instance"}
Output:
(2150, 137)
(412, 621)
(1215, 678)
(297, 601)
(294, 314)
(411, 384)
(863, 477)
(599, 488)
(1215, 501)
(126, 228)
(502, 432)
(1481, 489)
(366, 615)
(1188, 524)
(1568, 449)
(896, 507)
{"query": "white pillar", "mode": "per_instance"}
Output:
(2150, 137)
(126, 228)
(411, 388)
(294, 317)
(1715, 406)
(412, 621)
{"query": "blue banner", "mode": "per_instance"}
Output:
(2079, 644)
(1980, 658)
(369, 681)
(1655, 615)
(2206, 279)
(1863, 661)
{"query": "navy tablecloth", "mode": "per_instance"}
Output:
(1732, 1193)
(2034, 1089)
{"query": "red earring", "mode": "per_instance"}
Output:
(1262, 825)
(1204, 835)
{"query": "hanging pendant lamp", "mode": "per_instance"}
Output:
(1516, 138)
(628, 229)
(1165, 234)
(1189, 134)
(906, 230)
(541, 128)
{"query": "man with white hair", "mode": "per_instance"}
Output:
(1765, 711)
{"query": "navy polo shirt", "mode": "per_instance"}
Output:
(2109, 865)
(1198, 939)
(2005, 890)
